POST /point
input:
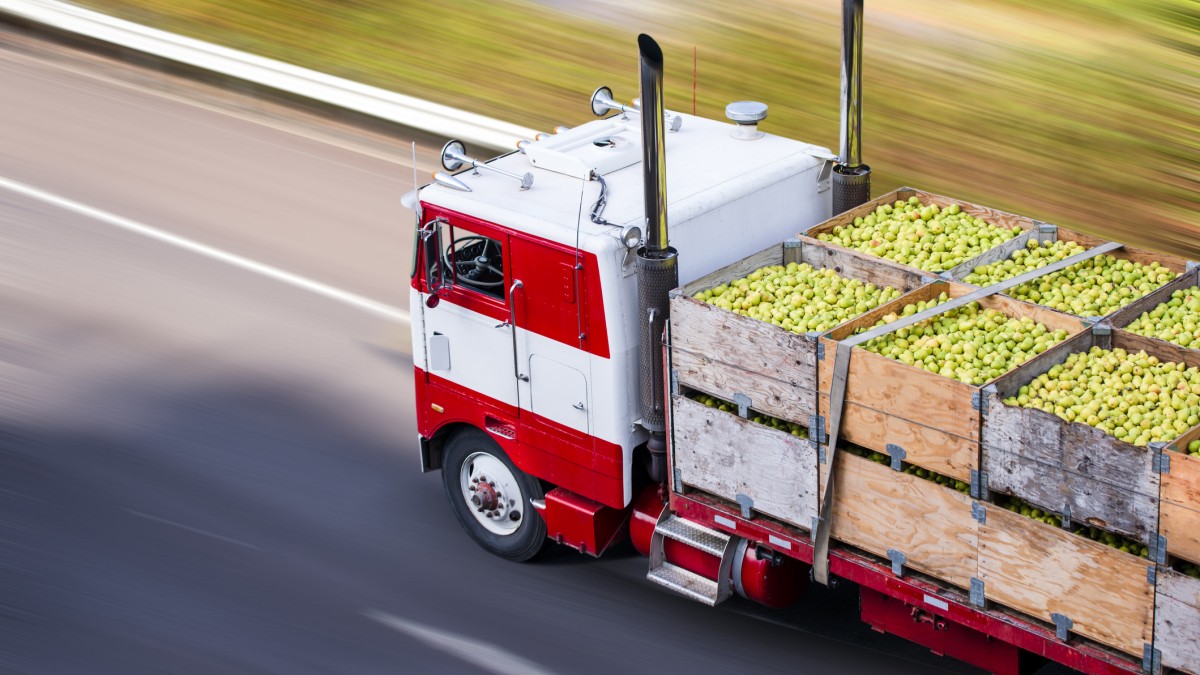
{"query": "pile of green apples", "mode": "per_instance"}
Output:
(1124, 544)
(926, 237)
(1035, 255)
(1176, 320)
(798, 297)
(1190, 569)
(910, 469)
(1134, 397)
(969, 344)
(766, 420)
(1095, 287)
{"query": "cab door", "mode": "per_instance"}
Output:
(469, 335)
(549, 316)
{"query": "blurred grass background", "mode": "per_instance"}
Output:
(1080, 113)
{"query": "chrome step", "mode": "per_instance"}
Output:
(686, 583)
(695, 535)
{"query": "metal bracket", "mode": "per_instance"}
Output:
(816, 430)
(1151, 574)
(1047, 230)
(979, 484)
(820, 350)
(1062, 625)
(815, 520)
(743, 404)
(1066, 516)
(674, 382)
(820, 454)
(978, 598)
(977, 400)
(1102, 329)
(1191, 265)
(1158, 549)
(898, 559)
(679, 480)
(746, 503)
(897, 454)
(1151, 659)
(1161, 461)
(978, 512)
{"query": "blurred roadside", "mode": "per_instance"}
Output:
(1082, 114)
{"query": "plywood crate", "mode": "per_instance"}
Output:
(731, 457)
(995, 217)
(892, 406)
(1050, 233)
(1179, 509)
(1044, 571)
(1070, 467)
(1177, 621)
(883, 511)
(1134, 310)
(724, 354)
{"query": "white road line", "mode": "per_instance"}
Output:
(482, 654)
(378, 308)
(189, 528)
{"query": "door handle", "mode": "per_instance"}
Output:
(578, 406)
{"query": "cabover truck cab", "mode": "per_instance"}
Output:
(524, 307)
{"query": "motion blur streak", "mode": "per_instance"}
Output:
(486, 656)
(196, 247)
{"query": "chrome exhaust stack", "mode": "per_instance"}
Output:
(851, 178)
(657, 268)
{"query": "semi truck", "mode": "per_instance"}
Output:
(580, 381)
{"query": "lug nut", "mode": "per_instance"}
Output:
(476, 500)
(474, 480)
(483, 478)
(514, 516)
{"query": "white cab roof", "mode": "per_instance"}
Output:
(706, 167)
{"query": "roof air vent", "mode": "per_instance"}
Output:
(747, 115)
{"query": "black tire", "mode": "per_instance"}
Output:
(530, 534)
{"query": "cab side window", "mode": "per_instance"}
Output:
(477, 261)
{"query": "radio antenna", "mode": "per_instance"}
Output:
(693, 80)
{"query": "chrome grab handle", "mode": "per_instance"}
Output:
(512, 323)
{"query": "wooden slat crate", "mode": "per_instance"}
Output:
(1177, 621)
(1050, 233)
(723, 354)
(726, 455)
(1179, 515)
(878, 509)
(1058, 465)
(1042, 571)
(931, 417)
(993, 216)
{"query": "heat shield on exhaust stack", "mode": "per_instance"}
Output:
(657, 269)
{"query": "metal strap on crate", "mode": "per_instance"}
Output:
(841, 370)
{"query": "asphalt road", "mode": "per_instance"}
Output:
(204, 469)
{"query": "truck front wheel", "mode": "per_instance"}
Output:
(490, 496)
